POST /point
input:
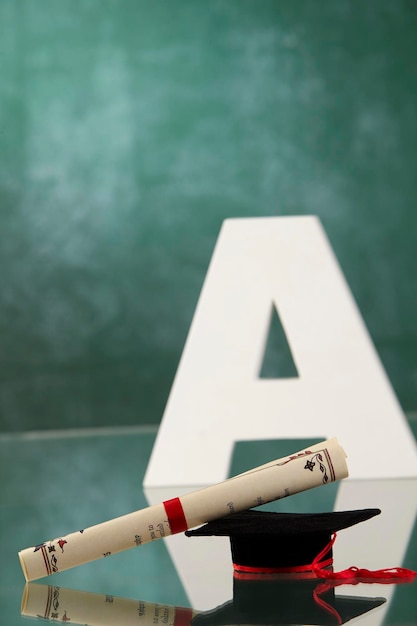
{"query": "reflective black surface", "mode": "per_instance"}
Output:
(54, 484)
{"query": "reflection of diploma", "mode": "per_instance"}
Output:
(320, 464)
(81, 607)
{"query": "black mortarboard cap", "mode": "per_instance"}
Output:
(263, 541)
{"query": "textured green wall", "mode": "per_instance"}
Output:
(130, 129)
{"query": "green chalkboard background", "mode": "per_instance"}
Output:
(129, 129)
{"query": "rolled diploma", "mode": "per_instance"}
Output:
(320, 464)
(82, 607)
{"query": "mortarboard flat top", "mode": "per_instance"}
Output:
(262, 540)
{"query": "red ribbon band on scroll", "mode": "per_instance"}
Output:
(183, 616)
(176, 516)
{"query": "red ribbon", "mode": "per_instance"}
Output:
(297, 569)
(183, 616)
(354, 574)
(176, 516)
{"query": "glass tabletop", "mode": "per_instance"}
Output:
(53, 483)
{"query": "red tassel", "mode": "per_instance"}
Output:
(354, 574)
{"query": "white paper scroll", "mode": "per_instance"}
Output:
(58, 604)
(318, 465)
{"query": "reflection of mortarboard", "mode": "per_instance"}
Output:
(266, 542)
(281, 600)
